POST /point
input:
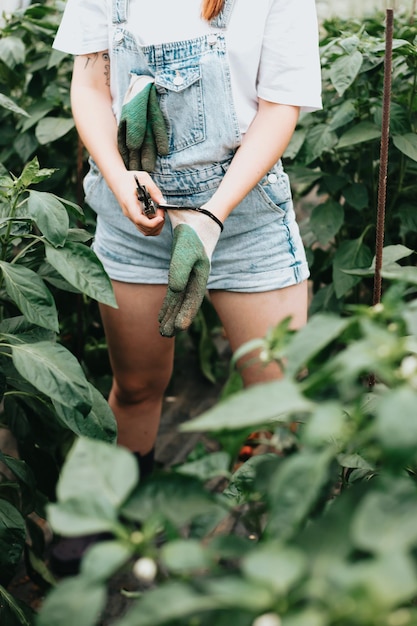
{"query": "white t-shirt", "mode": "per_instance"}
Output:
(272, 44)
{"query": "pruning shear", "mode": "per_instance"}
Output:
(150, 207)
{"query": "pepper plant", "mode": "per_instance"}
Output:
(46, 398)
(35, 113)
(333, 159)
(320, 532)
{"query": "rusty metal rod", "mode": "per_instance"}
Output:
(383, 165)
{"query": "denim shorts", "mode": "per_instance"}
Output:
(260, 248)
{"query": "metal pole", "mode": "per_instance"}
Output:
(383, 168)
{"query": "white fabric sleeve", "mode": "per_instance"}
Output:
(83, 28)
(289, 71)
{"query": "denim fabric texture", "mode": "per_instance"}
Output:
(260, 248)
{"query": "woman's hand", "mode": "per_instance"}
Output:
(125, 190)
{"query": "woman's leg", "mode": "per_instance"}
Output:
(142, 364)
(247, 316)
(141, 361)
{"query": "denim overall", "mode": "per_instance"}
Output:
(260, 248)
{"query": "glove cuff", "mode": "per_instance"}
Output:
(206, 228)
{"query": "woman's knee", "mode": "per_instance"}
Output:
(131, 390)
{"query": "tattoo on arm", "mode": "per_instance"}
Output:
(106, 59)
(91, 60)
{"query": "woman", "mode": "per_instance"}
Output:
(230, 79)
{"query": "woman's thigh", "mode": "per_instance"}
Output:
(247, 316)
(140, 357)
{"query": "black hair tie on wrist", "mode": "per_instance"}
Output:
(209, 214)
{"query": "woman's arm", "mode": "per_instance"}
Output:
(96, 124)
(264, 143)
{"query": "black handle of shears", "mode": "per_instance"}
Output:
(150, 207)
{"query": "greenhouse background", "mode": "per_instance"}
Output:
(343, 8)
(325, 8)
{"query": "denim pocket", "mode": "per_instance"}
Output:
(275, 189)
(181, 101)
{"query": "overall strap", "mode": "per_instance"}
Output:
(222, 20)
(119, 11)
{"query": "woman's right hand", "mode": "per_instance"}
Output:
(125, 190)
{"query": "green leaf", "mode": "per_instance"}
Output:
(78, 598)
(385, 522)
(9, 104)
(327, 424)
(408, 219)
(172, 601)
(349, 255)
(296, 143)
(100, 422)
(54, 371)
(104, 559)
(31, 296)
(364, 131)
(276, 566)
(354, 461)
(14, 612)
(344, 71)
(357, 196)
(326, 220)
(76, 517)
(407, 144)
(169, 602)
(294, 491)
(78, 264)
(50, 216)
(20, 470)
(50, 129)
(95, 480)
(241, 486)
(308, 617)
(319, 139)
(307, 342)
(399, 435)
(12, 51)
(185, 556)
(386, 581)
(390, 254)
(206, 349)
(345, 113)
(260, 404)
(36, 111)
(326, 539)
(303, 178)
(176, 498)
(12, 539)
(29, 173)
(234, 592)
(210, 466)
(407, 274)
(97, 469)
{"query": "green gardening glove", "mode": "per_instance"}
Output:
(142, 132)
(195, 237)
